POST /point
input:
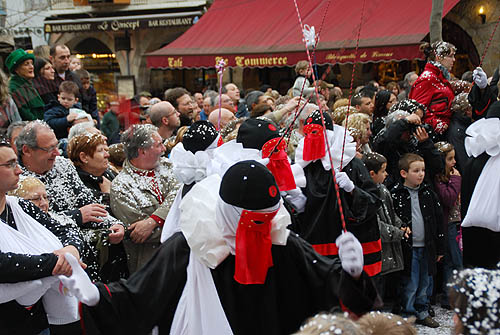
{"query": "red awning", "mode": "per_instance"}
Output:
(266, 33)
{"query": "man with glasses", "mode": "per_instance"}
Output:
(166, 118)
(39, 157)
(17, 264)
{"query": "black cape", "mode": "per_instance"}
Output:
(300, 284)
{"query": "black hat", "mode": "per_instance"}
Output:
(494, 110)
(249, 185)
(199, 136)
(315, 118)
(254, 133)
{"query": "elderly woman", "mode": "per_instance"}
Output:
(29, 103)
(8, 108)
(44, 80)
(359, 127)
(433, 89)
(89, 154)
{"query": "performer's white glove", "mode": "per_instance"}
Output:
(350, 254)
(296, 198)
(480, 78)
(79, 283)
(344, 181)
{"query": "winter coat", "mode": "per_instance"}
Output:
(110, 126)
(456, 136)
(389, 144)
(46, 88)
(432, 214)
(9, 113)
(28, 102)
(56, 117)
(435, 92)
(89, 102)
(481, 99)
(133, 198)
(448, 195)
(242, 110)
(390, 233)
(303, 86)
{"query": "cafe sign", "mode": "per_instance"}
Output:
(120, 25)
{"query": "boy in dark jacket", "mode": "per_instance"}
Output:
(89, 95)
(58, 114)
(418, 207)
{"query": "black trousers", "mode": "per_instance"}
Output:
(481, 247)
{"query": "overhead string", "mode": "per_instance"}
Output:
(489, 42)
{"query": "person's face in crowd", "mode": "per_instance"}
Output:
(75, 64)
(366, 106)
(61, 59)
(233, 92)
(185, 106)
(38, 196)
(152, 155)
(207, 105)
(26, 69)
(67, 100)
(15, 134)
(413, 79)
(173, 117)
(196, 108)
(447, 61)
(379, 177)
(114, 107)
(226, 118)
(392, 100)
(47, 71)
(326, 93)
(226, 100)
(144, 101)
(450, 160)
(98, 163)
(395, 91)
(43, 156)
(85, 83)
(368, 133)
(415, 175)
(9, 175)
(198, 97)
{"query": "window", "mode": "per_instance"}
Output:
(30, 5)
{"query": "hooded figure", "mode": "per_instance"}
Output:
(481, 192)
(320, 223)
(211, 278)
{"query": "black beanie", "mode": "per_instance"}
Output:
(315, 118)
(254, 133)
(199, 136)
(249, 185)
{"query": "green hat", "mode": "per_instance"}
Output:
(16, 57)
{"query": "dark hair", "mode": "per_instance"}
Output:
(175, 93)
(407, 159)
(374, 161)
(260, 110)
(381, 100)
(53, 48)
(253, 98)
(437, 49)
(69, 87)
(444, 149)
(368, 92)
(408, 105)
(39, 64)
(356, 99)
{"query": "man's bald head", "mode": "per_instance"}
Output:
(164, 116)
(225, 117)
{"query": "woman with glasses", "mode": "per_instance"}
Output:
(432, 88)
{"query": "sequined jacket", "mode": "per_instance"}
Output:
(435, 92)
(133, 198)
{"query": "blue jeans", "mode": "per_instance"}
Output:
(452, 259)
(414, 296)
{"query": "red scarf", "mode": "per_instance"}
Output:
(279, 164)
(253, 247)
(155, 186)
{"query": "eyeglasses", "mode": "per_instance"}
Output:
(49, 149)
(11, 165)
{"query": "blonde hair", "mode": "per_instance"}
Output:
(329, 324)
(339, 113)
(357, 125)
(26, 186)
(379, 323)
(301, 65)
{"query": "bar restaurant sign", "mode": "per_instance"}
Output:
(117, 25)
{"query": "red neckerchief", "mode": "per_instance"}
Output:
(314, 142)
(154, 183)
(279, 164)
(253, 247)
